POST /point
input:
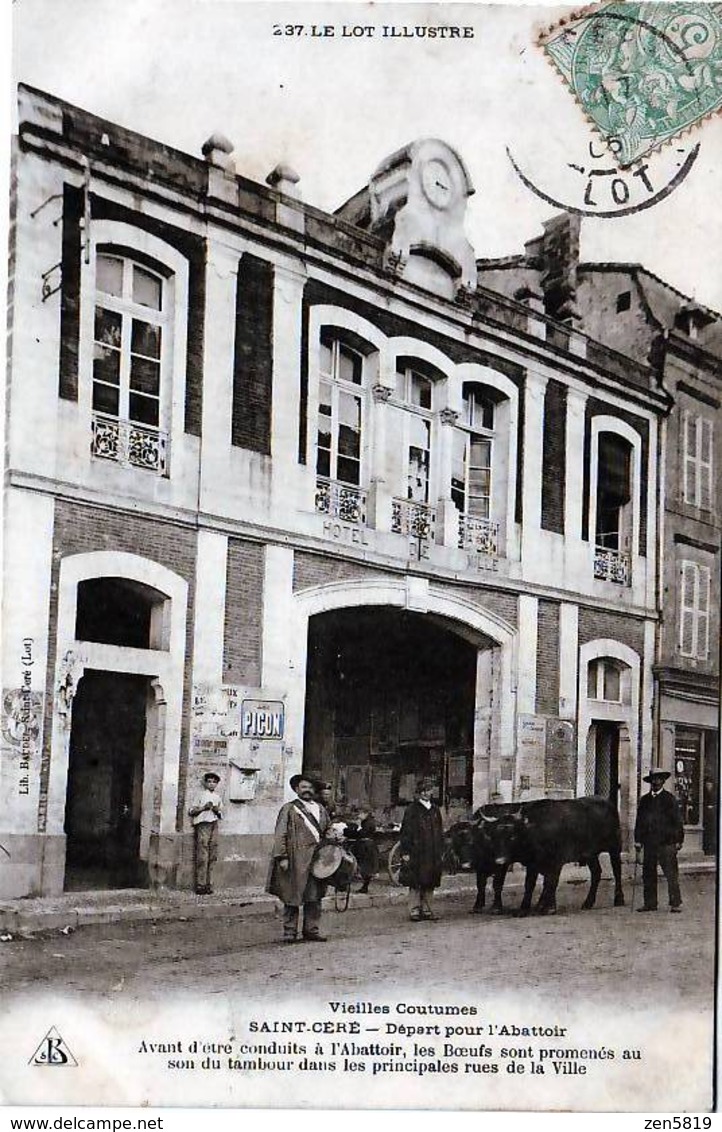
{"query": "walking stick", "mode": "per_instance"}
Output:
(634, 876)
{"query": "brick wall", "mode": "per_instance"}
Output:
(597, 623)
(547, 659)
(500, 602)
(317, 570)
(253, 356)
(79, 529)
(554, 457)
(243, 627)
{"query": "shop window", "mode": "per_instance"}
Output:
(130, 360)
(694, 614)
(687, 770)
(604, 681)
(697, 461)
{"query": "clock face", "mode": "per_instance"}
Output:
(437, 183)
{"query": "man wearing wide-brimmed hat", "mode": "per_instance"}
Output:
(300, 827)
(660, 832)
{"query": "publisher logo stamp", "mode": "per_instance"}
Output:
(53, 1050)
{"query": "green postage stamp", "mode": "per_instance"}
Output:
(644, 73)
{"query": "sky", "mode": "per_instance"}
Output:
(334, 107)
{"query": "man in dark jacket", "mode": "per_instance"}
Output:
(659, 831)
(422, 851)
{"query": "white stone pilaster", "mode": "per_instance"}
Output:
(577, 553)
(210, 607)
(447, 515)
(289, 282)
(568, 659)
(526, 653)
(532, 472)
(221, 286)
(379, 496)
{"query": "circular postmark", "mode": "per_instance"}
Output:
(591, 181)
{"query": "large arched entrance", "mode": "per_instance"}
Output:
(390, 696)
(398, 677)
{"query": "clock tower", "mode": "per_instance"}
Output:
(417, 202)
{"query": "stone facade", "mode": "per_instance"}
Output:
(256, 451)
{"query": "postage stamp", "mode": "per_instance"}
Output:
(643, 73)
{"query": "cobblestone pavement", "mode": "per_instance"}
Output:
(608, 954)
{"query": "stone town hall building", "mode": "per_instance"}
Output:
(288, 489)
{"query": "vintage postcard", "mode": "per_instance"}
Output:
(361, 578)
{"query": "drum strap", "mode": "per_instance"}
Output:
(310, 820)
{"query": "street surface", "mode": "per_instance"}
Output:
(608, 955)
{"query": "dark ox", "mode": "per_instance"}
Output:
(545, 835)
(471, 844)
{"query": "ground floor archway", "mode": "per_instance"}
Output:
(390, 696)
(106, 767)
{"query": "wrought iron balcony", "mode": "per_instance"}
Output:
(612, 566)
(132, 445)
(417, 520)
(341, 501)
(478, 534)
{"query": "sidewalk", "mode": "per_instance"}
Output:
(28, 916)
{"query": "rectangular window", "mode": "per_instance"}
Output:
(695, 583)
(419, 459)
(697, 460)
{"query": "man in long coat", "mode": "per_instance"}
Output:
(422, 851)
(660, 832)
(300, 826)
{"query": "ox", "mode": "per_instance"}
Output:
(471, 844)
(546, 834)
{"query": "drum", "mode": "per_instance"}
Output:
(334, 865)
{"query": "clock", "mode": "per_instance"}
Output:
(437, 183)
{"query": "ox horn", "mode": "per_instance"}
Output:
(484, 817)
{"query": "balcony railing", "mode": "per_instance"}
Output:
(417, 520)
(341, 501)
(131, 445)
(612, 566)
(481, 535)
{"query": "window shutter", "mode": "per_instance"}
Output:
(703, 599)
(686, 613)
(689, 458)
(705, 464)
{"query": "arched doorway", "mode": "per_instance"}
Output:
(105, 781)
(390, 697)
(115, 748)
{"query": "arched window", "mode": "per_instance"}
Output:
(415, 392)
(341, 424)
(130, 328)
(604, 680)
(615, 498)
